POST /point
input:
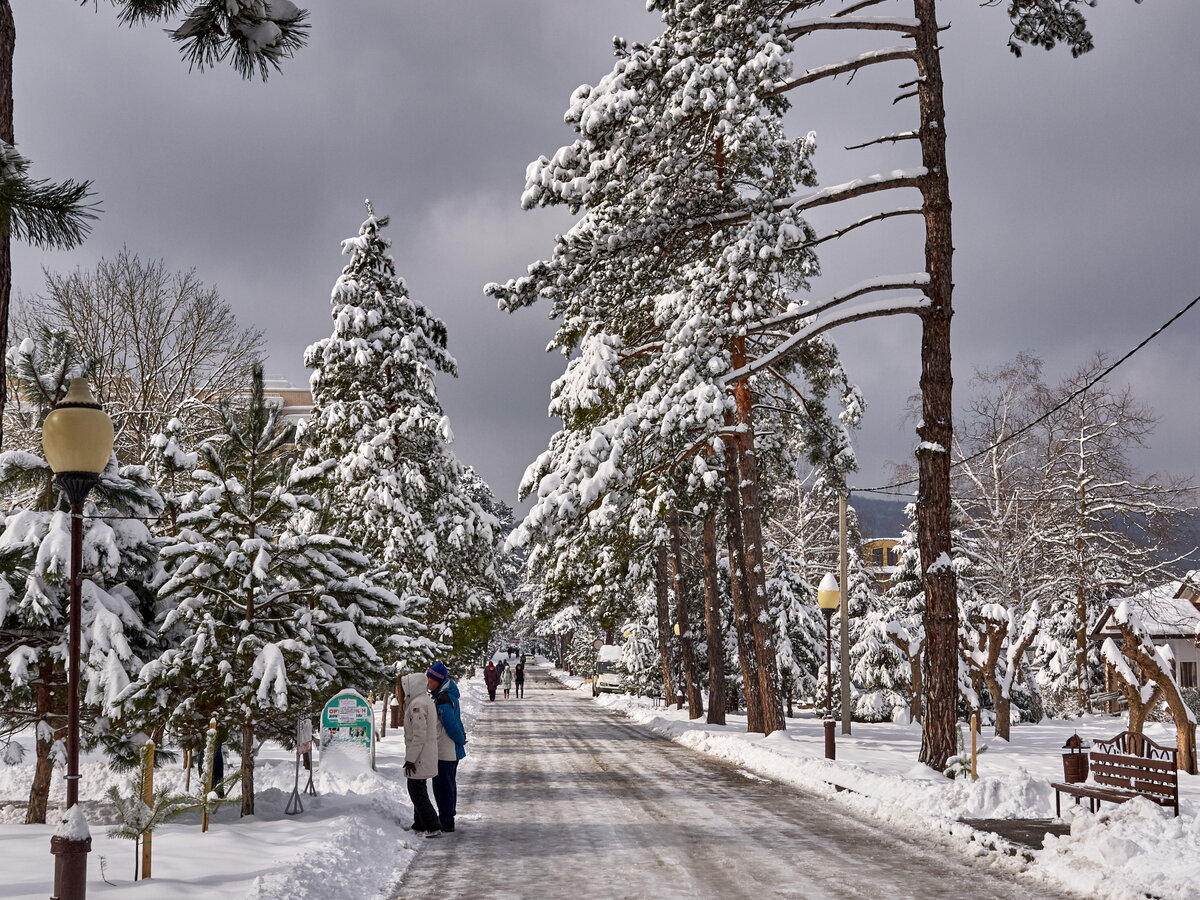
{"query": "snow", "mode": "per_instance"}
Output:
(74, 826)
(350, 842)
(1161, 612)
(1129, 851)
(609, 653)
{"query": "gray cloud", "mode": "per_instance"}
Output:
(1073, 181)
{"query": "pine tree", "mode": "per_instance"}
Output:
(119, 570)
(666, 283)
(903, 617)
(799, 629)
(396, 488)
(270, 618)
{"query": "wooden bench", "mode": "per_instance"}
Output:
(1127, 766)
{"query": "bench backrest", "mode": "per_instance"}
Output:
(1133, 762)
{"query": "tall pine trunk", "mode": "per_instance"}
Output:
(938, 733)
(737, 589)
(712, 621)
(247, 769)
(8, 43)
(663, 611)
(49, 708)
(687, 656)
(766, 669)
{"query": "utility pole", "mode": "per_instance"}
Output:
(843, 569)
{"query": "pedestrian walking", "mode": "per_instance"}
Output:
(506, 680)
(519, 680)
(451, 741)
(491, 678)
(420, 752)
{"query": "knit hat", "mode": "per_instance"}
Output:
(437, 672)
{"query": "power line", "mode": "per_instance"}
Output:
(1000, 443)
(1099, 499)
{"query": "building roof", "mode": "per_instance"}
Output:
(1168, 610)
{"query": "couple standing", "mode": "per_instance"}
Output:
(434, 742)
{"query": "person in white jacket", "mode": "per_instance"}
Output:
(420, 752)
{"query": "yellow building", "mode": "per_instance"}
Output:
(881, 556)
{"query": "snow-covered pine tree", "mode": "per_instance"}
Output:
(803, 545)
(640, 665)
(397, 490)
(120, 572)
(270, 618)
(667, 282)
(471, 634)
(874, 659)
(172, 467)
(903, 617)
(799, 629)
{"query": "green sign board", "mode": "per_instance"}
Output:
(347, 722)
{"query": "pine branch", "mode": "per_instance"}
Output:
(41, 213)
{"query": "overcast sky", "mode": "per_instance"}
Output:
(1075, 186)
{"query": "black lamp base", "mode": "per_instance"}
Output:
(76, 485)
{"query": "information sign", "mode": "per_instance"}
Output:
(347, 721)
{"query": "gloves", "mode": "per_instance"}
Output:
(410, 769)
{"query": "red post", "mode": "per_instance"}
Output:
(70, 855)
(830, 740)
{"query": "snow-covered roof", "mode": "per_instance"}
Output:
(1168, 610)
(609, 653)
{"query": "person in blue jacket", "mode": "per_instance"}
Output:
(451, 740)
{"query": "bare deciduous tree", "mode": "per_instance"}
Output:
(163, 344)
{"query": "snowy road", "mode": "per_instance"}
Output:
(560, 798)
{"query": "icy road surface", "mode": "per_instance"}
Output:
(561, 798)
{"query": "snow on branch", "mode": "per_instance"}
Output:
(882, 181)
(820, 326)
(893, 138)
(887, 54)
(849, 190)
(871, 285)
(862, 23)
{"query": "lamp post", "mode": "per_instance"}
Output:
(829, 596)
(77, 438)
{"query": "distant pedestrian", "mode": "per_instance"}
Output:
(491, 678)
(519, 680)
(451, 741)
(420, 752)
(506, 680)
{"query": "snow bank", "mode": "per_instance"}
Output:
(350, 842)
(1123, 852)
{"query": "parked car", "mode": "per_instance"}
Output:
(608, 678)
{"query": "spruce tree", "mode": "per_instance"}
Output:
(270, 618)
(396, 488)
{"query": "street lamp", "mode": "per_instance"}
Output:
(77, 438)
(829, 595)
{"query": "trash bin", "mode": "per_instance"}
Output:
(1075, 762)
(395, 722)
